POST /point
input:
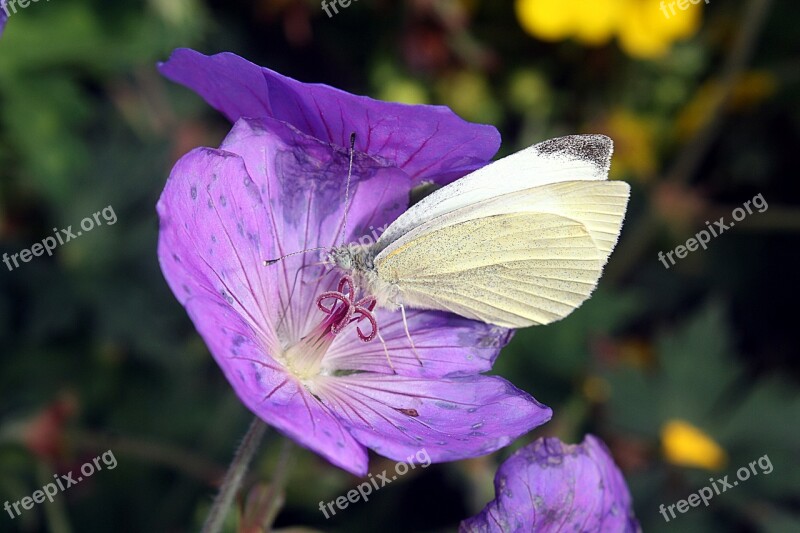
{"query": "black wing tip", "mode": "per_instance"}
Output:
(594, 148)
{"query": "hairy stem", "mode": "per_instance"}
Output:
(234, 477)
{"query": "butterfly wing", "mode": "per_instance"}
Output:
(520, 259)
(571, 158)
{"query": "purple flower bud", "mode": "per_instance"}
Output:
(550, 486)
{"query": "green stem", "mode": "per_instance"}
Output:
(234, 477)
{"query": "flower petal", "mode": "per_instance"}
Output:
(447, 345)
(427, 142)
(213, 239)
(550, 486)
(3, 16)
(304, 180)
(224, 214)
(268, 391)
(210, 249)
(452, 418)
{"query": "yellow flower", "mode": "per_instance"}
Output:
(646, 28)
(686, 445)
(549, 20)
(646, 32)
(594, 21)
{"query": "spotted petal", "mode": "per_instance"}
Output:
(451, 418)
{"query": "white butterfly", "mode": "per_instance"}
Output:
(520, 242)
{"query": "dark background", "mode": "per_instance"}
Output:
(96, 354)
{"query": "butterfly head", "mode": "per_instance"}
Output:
(351, 257)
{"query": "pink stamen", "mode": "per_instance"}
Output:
(354, 311)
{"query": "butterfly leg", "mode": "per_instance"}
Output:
(408, 334)
(386, 351)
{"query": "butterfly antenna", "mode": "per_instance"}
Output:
(347, 186)
(268, 262)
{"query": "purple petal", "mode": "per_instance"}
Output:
(212, 241)
(550, 486)
(281, 195)
(4, 13)
(427, 142)
(448, 346)
(209, 264)
(304, 180)
(452, 418)
(268, 390)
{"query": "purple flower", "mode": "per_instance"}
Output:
(426, 142)
(290, 337)
(551, 486)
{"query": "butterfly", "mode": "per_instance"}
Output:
(520, 242)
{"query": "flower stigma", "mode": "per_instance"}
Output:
(305, 357)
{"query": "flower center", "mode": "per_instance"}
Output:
(305, 357)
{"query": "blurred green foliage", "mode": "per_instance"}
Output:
(97, 354)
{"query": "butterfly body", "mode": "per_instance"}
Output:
(358, 260)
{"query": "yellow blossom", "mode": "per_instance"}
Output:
(645, 28)
(646, 32)
(594, 22)
(686, 445)
(550, 20)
